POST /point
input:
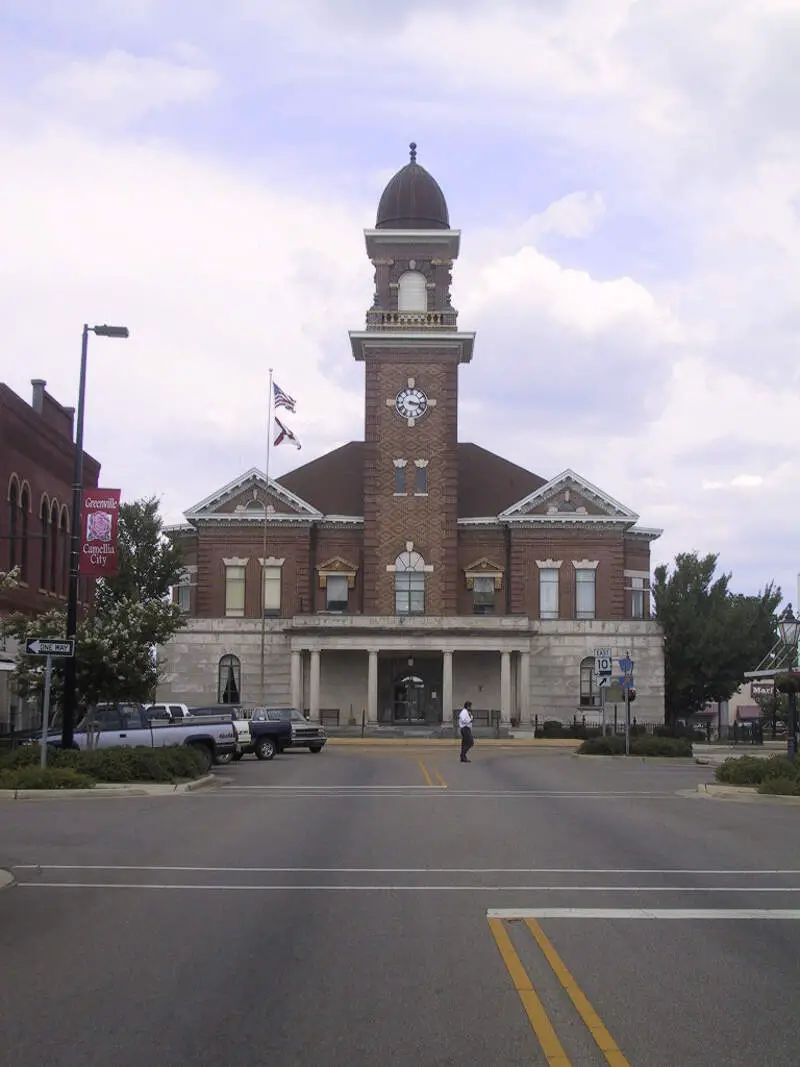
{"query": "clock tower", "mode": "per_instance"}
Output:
(411, 349)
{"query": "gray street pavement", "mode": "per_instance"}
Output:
(390, 906)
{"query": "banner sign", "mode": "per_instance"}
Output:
(99, 519)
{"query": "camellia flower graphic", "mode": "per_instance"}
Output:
(98, 526)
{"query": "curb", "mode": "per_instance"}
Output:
(667, 760)
(747, 793)
(6, 879)
(487, 742)
(107, 790)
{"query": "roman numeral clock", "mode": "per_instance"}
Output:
(411, 403)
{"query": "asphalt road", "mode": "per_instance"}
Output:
(390, 906)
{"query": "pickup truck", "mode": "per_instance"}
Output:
(180, 713)
(130, 725)
(267, 738)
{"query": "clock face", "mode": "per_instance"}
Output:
(411, 403)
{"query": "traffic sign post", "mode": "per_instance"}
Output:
(626, 681)
(49, 647)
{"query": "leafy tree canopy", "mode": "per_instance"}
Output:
(711, 635)
(116, 642)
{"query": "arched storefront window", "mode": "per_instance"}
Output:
(409, 584)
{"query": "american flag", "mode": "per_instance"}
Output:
(281, 399)
(283, 433)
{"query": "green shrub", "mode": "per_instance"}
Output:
(31, 777)
(640, 746)
(113, 764)
(780, 785)
(751, 770)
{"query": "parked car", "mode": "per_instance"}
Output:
(304, 734)
(130, 725)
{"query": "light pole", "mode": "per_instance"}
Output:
(790, 632)
(68, 705)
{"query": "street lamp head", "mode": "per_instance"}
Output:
(789, 627)
(110, 331)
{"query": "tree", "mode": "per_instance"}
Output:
(149, 563)
(116, 643)
(711, 636)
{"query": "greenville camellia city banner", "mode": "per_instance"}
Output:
(99, 521)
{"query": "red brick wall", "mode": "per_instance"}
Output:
(390, 521)
(40, 453)
(472, 546)
(528, 546)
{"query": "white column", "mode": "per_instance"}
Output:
(313, 685)
(524, 688)
(372, 687)
(447, 688)
(505, 687)
(297, 679)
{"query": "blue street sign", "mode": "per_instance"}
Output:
(626, 665)
(626, 681)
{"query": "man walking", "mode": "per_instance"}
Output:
(465, 724)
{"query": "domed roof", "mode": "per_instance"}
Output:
(412, 200)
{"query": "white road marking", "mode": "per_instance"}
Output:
(725, 871)
(643, 913)
(424, 791)
(326, 888)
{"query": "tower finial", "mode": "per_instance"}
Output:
(413, 148)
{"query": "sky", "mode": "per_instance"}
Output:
(625, 175)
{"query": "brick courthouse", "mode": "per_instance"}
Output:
(408, 572)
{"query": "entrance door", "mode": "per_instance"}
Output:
(410, 701)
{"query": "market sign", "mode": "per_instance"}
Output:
(762, 687)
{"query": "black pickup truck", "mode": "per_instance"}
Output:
(267, 737)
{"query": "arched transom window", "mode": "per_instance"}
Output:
(409, 583)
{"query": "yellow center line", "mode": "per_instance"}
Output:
(594, 1023)
(439, 779)
(539, 1019)
(425, 775)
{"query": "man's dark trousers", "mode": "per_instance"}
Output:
(466, 741)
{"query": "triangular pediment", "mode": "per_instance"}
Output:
(244, 498)
(484, 565)
(573, 498)
(337, 565)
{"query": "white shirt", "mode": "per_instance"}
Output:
(464, 718)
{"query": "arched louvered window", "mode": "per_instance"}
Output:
(412, 292)
(229, 680)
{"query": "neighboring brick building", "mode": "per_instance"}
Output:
(409, 572)
(37, 457)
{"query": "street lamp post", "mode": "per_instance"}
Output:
(68, 704)
(790, 632)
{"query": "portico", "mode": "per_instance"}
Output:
(420, 674)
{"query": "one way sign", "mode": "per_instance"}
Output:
(50, 646)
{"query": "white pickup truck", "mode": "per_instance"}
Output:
(174, 712)
(131, 725)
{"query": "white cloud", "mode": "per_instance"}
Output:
(123, 87)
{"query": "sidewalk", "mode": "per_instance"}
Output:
(107, 790)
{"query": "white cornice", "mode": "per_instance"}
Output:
(361, 341)
(377, 240)
(255, 478)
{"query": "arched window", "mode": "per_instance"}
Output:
(44, 522)
(25, 507)
(412, 293)
(409, 584)
(53, 546)
(590, 694)
(254, 505)
(64, 551)
(229, 680)
(13, 522)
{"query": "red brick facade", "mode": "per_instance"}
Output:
(36, 469)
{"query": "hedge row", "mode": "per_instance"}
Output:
(554, 728)
(640, 746)
(776, 775)
(71, 769)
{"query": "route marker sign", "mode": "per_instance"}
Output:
(603, 662)
(50, 646)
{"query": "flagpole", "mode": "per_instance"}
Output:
(263, 599)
